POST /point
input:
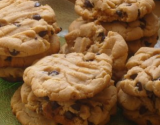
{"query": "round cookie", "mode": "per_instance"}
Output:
(143, 73)
(28, 60)
(142, 110)
(144, 27)
(62, 77)
(95, 110)
(27, 31)
(18, 10)
(108, 11)
(25, 40)
(26, 116)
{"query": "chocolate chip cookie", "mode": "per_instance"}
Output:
(142, 110)
(63, 77)
(138, 91)
(91, 37)
(26, 116)
(28, 60)
(95, 110)
(122, 10)
(26, 27)
(143, 73)
(144, 27)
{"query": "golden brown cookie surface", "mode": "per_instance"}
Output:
(62, 77)
(26, 27)
(28, 60)
(122, 10)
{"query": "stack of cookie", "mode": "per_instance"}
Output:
(91, 37)
(139, 91)
(27, 33)
(134, 20)
(67, 89)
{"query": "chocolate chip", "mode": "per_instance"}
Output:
(90, 123)
(42, 33)
(139, 85)
(36, 17)
(76, 107)
(148, 122)
(37, 4)
(53, 73)
(102, 107)
(119, 13)
(143, 24)
(14, 52)
(55, 105)
(88, 4)
(59, 124)
(89, 60)
(52, 32)
(35, 38)
(142, 110)
(139, 13)
(133, 76)
(98, 53)
(17, 24)
(128, 4)
(147, 43)
(151, 96)
(69, 115)
(157, 79)
(102, 35)
(9, 58)
(46, 98)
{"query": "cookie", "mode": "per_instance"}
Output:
(95, 110)
(134, 46)
(11, 74)
(144, 27)
(28, 60)
(63, 77)
(98, 41)
(143, 73)
(25, 40)
(13, 11)
(91, 37)
(27, 31)
(108, 11)
(26, 116)
(142, 110)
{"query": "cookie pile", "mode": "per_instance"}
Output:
(68, 89)
(139, 92)
(134, 20)
(76, 86)
(27, 33)
(92, 37)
